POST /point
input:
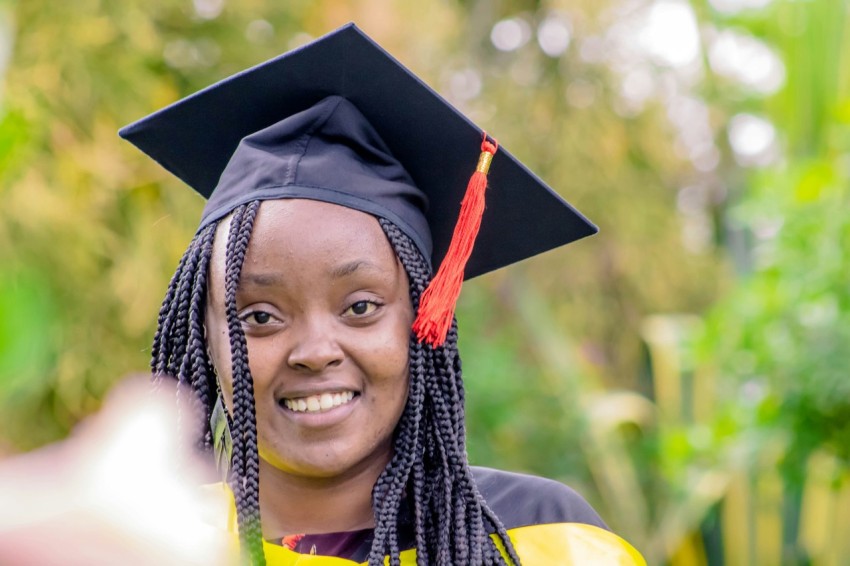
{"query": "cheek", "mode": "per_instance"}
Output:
(397, 353)
(390, 368)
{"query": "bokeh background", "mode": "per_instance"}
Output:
(686, 369)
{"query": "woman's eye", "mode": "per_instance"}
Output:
(257, 317)
(361, 308)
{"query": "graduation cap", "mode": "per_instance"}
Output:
(341, 121)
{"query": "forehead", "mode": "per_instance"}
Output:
(301, 229)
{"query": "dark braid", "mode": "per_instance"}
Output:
(429, 468)
(430, 458)
(166, 340)
(181, 352)
(195, 370)
(245, 477)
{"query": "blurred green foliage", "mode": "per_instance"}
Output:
(579, 363)
(782, 335)
(103, 227)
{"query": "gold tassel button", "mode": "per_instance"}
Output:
(484, 161)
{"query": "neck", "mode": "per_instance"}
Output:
(292, 504)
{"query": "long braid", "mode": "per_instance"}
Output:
(180, 328)
(201, 374)
(179, 351)
(389, 489)
(166, 316)
(453, 386)
(449, 511)
(165, 340)
(418, 472)
(231, 281)
(245, 480)
(194, 316)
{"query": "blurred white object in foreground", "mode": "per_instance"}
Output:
(122, 490)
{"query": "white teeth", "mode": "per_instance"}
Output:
(321, 402)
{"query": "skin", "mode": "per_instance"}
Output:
(325, 307)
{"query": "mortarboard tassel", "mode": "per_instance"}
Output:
(437, 304)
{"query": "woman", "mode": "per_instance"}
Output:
(293, 308)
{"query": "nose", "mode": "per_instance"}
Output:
(315, 349)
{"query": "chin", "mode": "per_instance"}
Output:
(323, 465)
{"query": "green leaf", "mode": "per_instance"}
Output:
(222, 440)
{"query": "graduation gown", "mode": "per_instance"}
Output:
(548, 523)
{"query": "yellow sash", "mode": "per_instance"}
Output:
(562, 544)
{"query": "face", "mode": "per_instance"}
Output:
(325, 306)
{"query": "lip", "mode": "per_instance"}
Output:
(323, 419)
(314, 389)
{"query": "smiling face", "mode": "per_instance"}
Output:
(325, 306)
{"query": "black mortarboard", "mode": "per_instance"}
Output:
(340, 120)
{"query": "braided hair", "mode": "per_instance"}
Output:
(428, 473)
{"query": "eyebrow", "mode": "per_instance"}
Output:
(277, 278)
(262, 279)
(347, 269)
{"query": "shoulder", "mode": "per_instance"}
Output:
(520, 500)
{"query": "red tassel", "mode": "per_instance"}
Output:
(437, 303)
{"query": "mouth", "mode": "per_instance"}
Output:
(318, 403)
